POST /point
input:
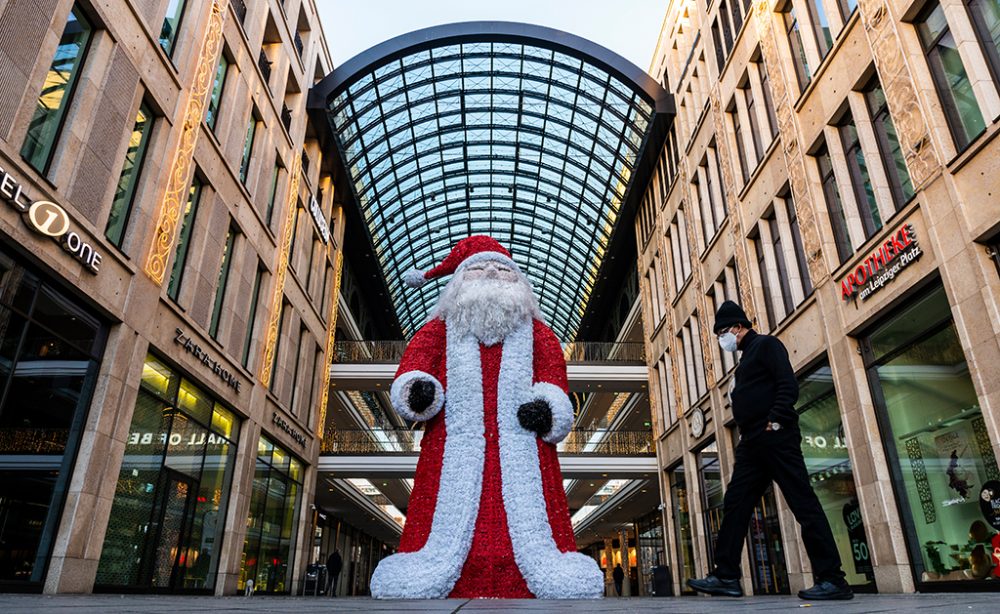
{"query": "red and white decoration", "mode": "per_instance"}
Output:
(488, 515)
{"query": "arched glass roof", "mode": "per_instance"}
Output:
(499, 129)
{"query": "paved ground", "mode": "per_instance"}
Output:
(150, 604)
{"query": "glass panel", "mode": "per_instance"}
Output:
(121, 206)
(248, 148)
(212, 112)
(892, 152)
(171, 24)
(184, 239)
(824, 448)
(682, 526)
(865, 194)
(194, 402)
(943, 448)
(710, 474)
(952, 81)
(56, 92)
(220, 287)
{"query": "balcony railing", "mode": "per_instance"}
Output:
(241, 9)
(402, 441)
(575, 352)
(265, 66)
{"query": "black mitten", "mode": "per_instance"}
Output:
(421, 396)
(535, 416)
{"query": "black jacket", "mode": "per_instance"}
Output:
(766, 388)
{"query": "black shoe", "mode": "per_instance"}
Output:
(717, 586)
(827, 591)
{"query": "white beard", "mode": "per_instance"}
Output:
(488, 309)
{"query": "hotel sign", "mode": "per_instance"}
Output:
(899, 251)
(49, 219)
(228, 377)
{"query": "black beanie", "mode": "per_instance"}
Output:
(730, 314)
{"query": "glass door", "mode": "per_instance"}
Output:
(767, 559)
(171, 528)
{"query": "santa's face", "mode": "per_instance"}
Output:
(487, 300)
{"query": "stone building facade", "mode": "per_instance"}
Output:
(833, 168)
(170, 251)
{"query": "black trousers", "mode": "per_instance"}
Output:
(774, 456)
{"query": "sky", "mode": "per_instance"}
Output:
(627, 27)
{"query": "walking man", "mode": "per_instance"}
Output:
(333, 565)
(763, 398)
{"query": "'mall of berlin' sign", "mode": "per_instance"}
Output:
(881, 267)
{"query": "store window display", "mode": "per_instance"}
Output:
(934, 432)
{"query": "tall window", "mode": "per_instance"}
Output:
(677, 237)
(277, 344)
(765, 268)
(758, 146)
(272, 194)
(888, 145)
(710, 200)
(725, 288)
(184, 240)
(821, 27)
(796, 233)
(171, 24)
(741, 153)
(834, 205)
(871, 219)
(220, 288)
(694, 360)
(950, 79)
(121, 206)
(847, 7)
(212, 114)
(252, 317)
(57, 91)
(986, 17)
(765, 88)
(802, 71)
(248, 146)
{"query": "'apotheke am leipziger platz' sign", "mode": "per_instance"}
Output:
(896, 253)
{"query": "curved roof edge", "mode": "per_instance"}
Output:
(495, 31)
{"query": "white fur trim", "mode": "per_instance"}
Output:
(414, 278)
(432, 571)
(399, 394)
(488, 257)
(549, 573)
(562, 410)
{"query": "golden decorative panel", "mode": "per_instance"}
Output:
(790, 146)
(175, 197)
(331, 324)
(288, 230)
(922, 161)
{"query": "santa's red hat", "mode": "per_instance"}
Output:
(476, 248)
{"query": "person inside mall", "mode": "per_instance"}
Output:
(763, 396)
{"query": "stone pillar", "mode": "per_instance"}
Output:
(627, 583)
(609, 553)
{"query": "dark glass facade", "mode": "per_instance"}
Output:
(173, 488)
(50, 351)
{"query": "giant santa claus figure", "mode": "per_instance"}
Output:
(488, 515)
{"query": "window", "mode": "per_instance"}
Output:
(301, 355)
(950, 79)
(171, 24)
(252, 318)
(655, 284)
(39, 143)
(121, 206)
(647, 217)
(684, 537)
(184, 240)
(694, 360)
(821, 27)
(248, 146)
(708, 188)
(752, 119)
(741, 154)
(888, 145)
(986, 18)
(847, 7)
(677, 237)
(765, 88)
(710, 476)
(665, 388)
(725, 288)
(765, 268)
(802, 71)
(220, 288)
(278, 343)
(212, 113)
(272, 195)
(796, 236)
(835, 207)
(871, 219)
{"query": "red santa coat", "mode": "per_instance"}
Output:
(488, 515)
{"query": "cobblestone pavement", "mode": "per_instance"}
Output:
(937, 603)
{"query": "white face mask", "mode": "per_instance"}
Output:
(728, 342)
